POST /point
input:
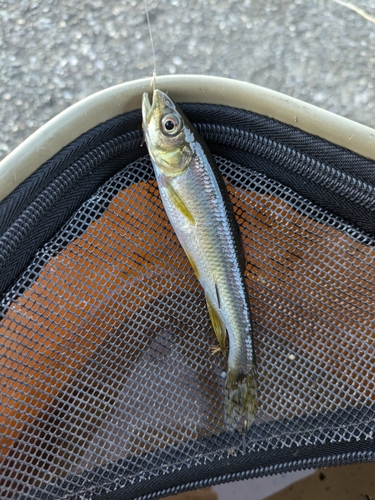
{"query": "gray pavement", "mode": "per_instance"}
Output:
(55, 52)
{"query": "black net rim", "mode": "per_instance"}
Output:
(342, 183)
(331, 175)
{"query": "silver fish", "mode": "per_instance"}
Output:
(198, 206)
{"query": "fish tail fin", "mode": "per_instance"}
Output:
(241, 402)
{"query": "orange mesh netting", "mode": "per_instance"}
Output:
(107, 353)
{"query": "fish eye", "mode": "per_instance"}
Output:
(171, 124)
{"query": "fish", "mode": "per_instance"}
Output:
(199, 209)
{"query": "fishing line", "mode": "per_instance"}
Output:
(153, 82)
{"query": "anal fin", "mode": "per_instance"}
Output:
(218, 324)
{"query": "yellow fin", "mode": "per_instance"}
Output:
(218, 325)
(216, 349)
(193, 264)
(176, 199)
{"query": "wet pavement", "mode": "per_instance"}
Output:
(56, 52)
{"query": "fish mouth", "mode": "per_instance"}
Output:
(146, 109)
(159, 104)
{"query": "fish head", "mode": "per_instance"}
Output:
(168, 137)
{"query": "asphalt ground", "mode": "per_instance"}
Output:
(56, 52)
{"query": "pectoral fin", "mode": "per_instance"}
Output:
(175, 198)
(218, 324)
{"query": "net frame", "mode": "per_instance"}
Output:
(238, 464)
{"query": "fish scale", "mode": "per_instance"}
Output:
(205, 210)
(198, 206)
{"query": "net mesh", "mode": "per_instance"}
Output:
(106, 353)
